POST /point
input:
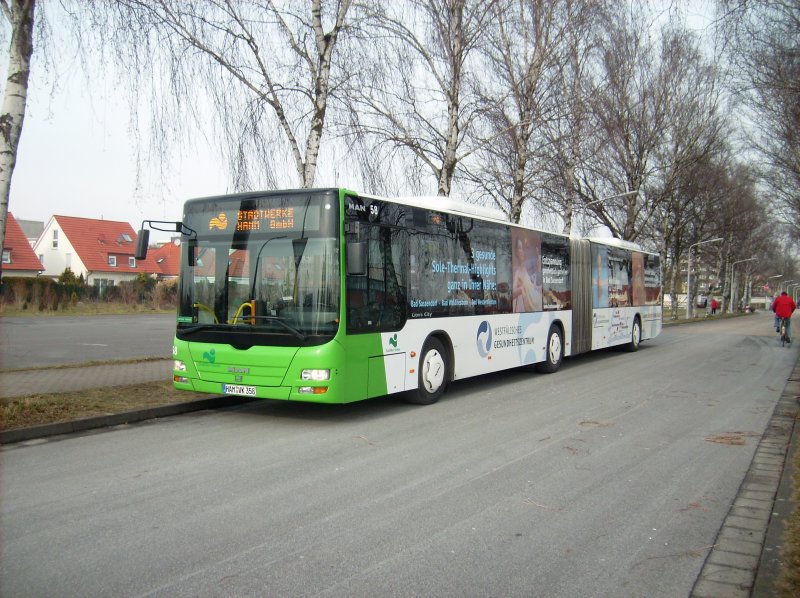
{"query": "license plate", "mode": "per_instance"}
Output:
(239, 389)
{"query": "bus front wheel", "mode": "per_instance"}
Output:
(432, 374)
(554, 351)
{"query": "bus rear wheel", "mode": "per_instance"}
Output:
(636, 335)
(554, 351)
(432, 374)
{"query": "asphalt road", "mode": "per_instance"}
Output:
(600, 480)
(31, 342)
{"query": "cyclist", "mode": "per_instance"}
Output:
(784, 307)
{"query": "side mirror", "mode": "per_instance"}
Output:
(141, 244)
(357, 259)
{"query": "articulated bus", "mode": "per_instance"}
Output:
(329, 296)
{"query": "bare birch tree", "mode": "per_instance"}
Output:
(416, 96)
(267, 70)
(763, 44)
(20, 17)
(525, 52)
(653, 106)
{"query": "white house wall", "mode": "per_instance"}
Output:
(55, 260)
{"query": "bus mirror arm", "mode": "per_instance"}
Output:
(357, 258)
(162, 225)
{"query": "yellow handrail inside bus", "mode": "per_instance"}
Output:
(249, 304)
(207, 309)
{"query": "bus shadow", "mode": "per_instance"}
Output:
(390, 405)
(375, 408)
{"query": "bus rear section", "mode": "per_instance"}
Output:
(616, 294)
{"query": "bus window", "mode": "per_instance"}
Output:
(377, 301)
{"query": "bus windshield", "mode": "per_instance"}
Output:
(261, 269)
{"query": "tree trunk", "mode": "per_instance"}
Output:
(20, 16)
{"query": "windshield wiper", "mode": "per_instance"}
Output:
(283, 323)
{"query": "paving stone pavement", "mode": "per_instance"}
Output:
(65, 379)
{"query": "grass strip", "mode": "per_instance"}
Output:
(38, 409)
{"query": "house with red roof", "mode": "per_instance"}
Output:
(19, 259)
(166, 259)
(103, 251)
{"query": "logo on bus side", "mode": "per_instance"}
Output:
(484, 338)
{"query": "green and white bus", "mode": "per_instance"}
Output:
(328, 296)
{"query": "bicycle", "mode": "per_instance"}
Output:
(784, 337)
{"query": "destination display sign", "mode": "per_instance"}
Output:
(267, 219)
(264, 220)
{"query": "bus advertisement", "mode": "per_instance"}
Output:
(325, 295)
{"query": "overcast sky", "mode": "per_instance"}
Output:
(75, 158)
(76, 154)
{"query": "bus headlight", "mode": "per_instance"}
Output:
(178, 366)
(315, 375)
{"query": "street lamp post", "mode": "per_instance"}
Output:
(776, 276)
(568, 226)
(689, 276)
(769, 289)
(731, 307)
(785, 282)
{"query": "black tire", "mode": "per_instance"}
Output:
(432, 374)
(636, 336)
(554, 351)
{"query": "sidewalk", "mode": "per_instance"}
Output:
(65, 379)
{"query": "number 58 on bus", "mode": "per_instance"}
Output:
(329, 296)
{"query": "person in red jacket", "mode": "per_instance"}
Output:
(784, 307)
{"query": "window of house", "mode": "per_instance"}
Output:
(41, 259)
(55, 238)
(132, 262)
(6, 256)
(112, 260)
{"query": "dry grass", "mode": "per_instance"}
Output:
(37, 409)
(788, 583)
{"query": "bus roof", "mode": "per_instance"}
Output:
(433, 202)
(615, 242)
